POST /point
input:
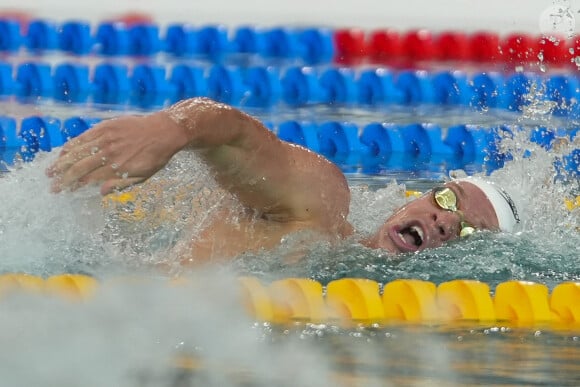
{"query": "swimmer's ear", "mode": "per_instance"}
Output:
(118, 184)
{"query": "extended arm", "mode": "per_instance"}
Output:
(269, 175)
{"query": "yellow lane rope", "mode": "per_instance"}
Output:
(357, 301)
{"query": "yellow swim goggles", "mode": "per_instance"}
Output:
(447, 200)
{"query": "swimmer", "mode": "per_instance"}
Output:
(284, 188)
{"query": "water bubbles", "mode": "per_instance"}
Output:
(538, 107)
(541, 64)
(558, 20)
(370, 207)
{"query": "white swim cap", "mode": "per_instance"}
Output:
(504, 206)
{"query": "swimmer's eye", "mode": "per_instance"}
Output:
(446, 199)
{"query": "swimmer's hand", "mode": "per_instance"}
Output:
(117, 153)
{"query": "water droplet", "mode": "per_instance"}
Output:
(542, 67)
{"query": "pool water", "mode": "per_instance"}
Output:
(130, 333)
(145, 333)
(142, 329)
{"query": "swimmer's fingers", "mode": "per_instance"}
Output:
(118, 184)
(81, 140)
(79, 174)
(76, 148)
(72, 156)
(108, 173)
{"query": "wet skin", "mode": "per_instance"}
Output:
(433, 226)
(422, 224)
(285, 188)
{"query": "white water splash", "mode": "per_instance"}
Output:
(558, 19)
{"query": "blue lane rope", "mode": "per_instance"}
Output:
(152, 86)
(373, 146)
(213, 42)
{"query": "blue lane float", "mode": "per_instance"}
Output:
(316, 45)
(7, 81)
(416, 87)
(245, 40)
(40, 134)
(338, 86)
(10, 143)
(180, 40)
(376, 87)
(514, 90)
(225, 85)
(144, 40)
(188, 82)
(265, 86)
(149, 86)
(213, 42)
(485, 90)
(34, 80)
(75, 126)
(562, 90)
(340, 139)
(373, 145)
(111, 84)
(75, 38)
(42, 36)
(382, 139)
(10, 38)
(451, 88)
(300, 86)
(112, 39)
(572, 163)
(278, 43)
(71, 83)
(301, 133)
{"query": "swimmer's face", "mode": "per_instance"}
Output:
(423, 224)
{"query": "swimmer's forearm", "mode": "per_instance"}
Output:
(266, 174)
(130, 149)
(209, 124)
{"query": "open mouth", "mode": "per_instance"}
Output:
(410, 238)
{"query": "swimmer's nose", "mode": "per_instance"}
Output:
(444, 225)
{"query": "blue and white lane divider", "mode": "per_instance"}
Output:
(396, 146)
(152, 86)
